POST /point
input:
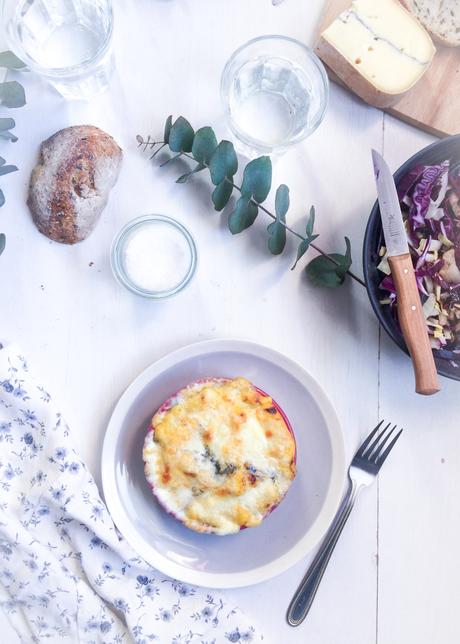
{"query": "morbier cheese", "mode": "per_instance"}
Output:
(378, 49)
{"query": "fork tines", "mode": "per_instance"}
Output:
(373, 450)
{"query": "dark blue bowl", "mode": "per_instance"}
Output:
(448, 148)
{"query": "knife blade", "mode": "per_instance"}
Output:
(390, 210)
(410, 313)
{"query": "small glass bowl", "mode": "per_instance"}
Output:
(274, 92)
(117, 262)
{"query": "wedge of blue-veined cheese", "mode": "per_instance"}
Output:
(378, 49)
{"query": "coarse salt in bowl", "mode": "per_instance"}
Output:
(154, 256)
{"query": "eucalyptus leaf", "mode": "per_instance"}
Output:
(322, 272)
(311, 222)
(303, 247)
(243, 216)
(204, 144)
(326, 273)
(2, 198)
(185, 177)
(223, 162)
(181, 136)
(9, 136)
(345, 261)
(277, 235)
(221, 194)
(257, 179)
(6, 169)
(168, 126)
(282, 201)
(2, 236)
(12, 94)
(6, 124)
(10, 61)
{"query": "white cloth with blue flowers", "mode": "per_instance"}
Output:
(65, 572)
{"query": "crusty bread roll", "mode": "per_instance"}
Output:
(440, 17)
(70, 185)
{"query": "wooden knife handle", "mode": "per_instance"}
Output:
(413, 325)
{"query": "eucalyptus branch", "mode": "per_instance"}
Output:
(11, 95)
(270, 214)
(201, 147)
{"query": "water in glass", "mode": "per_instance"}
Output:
(272, 100)
(274, 92)
(67, 41)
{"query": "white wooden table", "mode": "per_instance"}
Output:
(394, 578)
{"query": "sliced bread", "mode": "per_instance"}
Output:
(378, 49)
(440, 17)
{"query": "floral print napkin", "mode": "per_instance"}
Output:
(66, 574)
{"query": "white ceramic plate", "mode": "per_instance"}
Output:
(256, 554)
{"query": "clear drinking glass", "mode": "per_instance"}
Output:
(274, 91)
(66, 41)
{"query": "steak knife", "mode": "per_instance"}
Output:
(410, 312)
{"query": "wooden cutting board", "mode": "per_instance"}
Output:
(433, 104)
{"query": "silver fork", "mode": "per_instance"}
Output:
(362, 472)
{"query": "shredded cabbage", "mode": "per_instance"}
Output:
(430, 201)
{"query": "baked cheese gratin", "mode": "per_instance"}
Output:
(220, 455)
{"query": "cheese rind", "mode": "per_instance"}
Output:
(378, 49)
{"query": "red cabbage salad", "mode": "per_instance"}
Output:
(430, 203)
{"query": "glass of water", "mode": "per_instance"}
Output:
(66, 41)
(274, 91)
